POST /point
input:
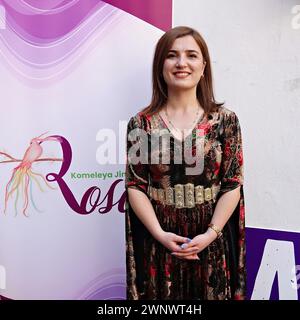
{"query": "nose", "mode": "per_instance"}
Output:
(181, 61)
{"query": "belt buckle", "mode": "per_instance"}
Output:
(189, 195)
(179, 196)
(207, 194)
(169, 196)
(199, 194)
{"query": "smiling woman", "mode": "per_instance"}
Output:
(185, 230)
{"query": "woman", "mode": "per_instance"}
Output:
(185, 232)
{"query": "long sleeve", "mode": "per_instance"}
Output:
(137, 172)
(231, 170)
(232, 176)
(137, 176)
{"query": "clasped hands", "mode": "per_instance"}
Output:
(185, 248)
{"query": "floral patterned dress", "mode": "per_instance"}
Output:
(152, 272)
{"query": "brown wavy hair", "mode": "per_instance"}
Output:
(204, 90)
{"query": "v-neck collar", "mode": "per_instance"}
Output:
(199, 120)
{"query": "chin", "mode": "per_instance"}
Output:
(184, 86)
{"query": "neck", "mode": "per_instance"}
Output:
(182, 101)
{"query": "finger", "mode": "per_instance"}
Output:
(174, 247)
(192, 242)
(189, 250)
(184, 254)
(178, 247)
(189, 257)
(193, 257)
(182, 239)
(185, 246)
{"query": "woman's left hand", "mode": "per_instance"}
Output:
(190, 250)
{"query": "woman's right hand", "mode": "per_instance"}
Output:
(171, 240)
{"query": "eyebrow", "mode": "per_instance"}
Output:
(185, 50)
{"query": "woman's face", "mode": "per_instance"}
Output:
(184, 56)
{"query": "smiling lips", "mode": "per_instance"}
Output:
(181, 74)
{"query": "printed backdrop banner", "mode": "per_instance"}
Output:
(71, 74)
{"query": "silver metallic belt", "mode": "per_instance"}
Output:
(184, 195)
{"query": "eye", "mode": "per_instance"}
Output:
(193, 56)
(170, 55)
